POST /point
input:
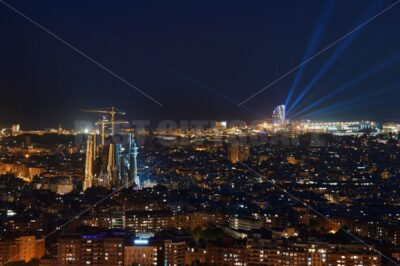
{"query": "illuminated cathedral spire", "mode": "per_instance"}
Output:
(111, 165)
(87, 182)
(133, 152)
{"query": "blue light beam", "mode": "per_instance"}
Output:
(321, 24)
(331, 60)
(352, 103)
(346, 67)
(370, 72)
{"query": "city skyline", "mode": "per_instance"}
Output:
(200, 133)
(52, 90)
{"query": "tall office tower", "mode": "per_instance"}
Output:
(133, 153)
(87, 183)
(15, 128)
(279, 115)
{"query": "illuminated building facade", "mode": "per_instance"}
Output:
(270, 253)
(226, 255)
(262, 256)
(391, 127)
(25, 172)
(246, 224)
(24, 248)
(221, 125)
(336, 128)
(149, 221)
(15, 128)
(96, 249)
(238, 153)
(152, 221)
(120, 248)
(140, 253)
(90, 158)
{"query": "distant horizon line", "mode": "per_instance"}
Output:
(246, 122)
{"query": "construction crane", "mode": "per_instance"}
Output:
(112, 111)
(102, 124)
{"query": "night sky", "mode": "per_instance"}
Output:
(198, 58)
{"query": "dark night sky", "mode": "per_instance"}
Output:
(198, 58)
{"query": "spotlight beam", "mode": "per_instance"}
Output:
(346, 108)
(320, 52)
(351, 103)
(321, 24)
(339, 73)
(359, 78)
(331, 60)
